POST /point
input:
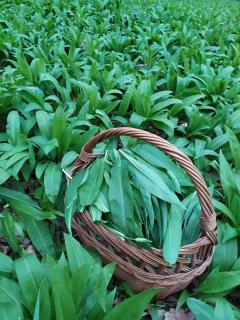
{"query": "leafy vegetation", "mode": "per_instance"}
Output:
(73, 288)
(125, 192)
(70, 69)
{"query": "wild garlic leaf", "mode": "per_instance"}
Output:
(121, 198)
(172, 240)
(227, 178)
(44, 123)
(89, 191)
(71, 197)
(9, 231)
(52, 181)
(133, 307)
(30, 274)
(150, 180)
(200, 309)
(220, 282)
(4, 175)
(223, 310)
(6, 263)
(13, 127)
(39, 233)
(235, 147)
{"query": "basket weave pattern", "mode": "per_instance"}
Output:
(141, 268)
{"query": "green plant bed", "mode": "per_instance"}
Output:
(72, 69)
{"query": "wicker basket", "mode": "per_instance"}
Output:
(141, 268)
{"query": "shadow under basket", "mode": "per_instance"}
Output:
(141, 268)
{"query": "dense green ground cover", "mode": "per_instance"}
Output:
(69, 69)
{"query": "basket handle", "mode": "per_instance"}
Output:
(208, 215)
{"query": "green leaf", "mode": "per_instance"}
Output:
(191, 228)
(126, 99)
(148, 210)
(157, 159)
(217, 142)
(192, 99)
(80, 283)
(23, 66)
(141, 100)
(225, 255)
(172, 241)
(40, 168)
(102, 115)
(13, 150)
(164, 104)
(234, 207)
(45, 302)
(220, 281)
(59, 123)
(40, 236)
(17, 157)
(81, 140)
(10, 311)
(4, 175)
(10, 292)
(136, 120)
(30, 274)
(13, 127)
(201, 310)
(52, 181)
(68, 159)
(36, 314)
(164, 124)
(77, 255)
(19, 165)
(227, 178)
(29, 212)
(32, 159)
(6, 263)
(96, 214)
(133, 307)
(66, 140)
(182, 298)
(235, 147)
(223, 310)
(37, 67)
(71, 197)
(44, 124)
(47, 146)
(101, 202)
(63, 300)
(236, 311)
(89, 191)
(151, 181)
(99, 282)
(164, 215)
(9, 194)
(121, 199)
(236, 266)
(9, 231)
(226, 232)
(224, 209)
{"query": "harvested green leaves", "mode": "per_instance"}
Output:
(135, 194)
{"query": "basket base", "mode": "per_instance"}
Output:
(138, 286)
(138, 277)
